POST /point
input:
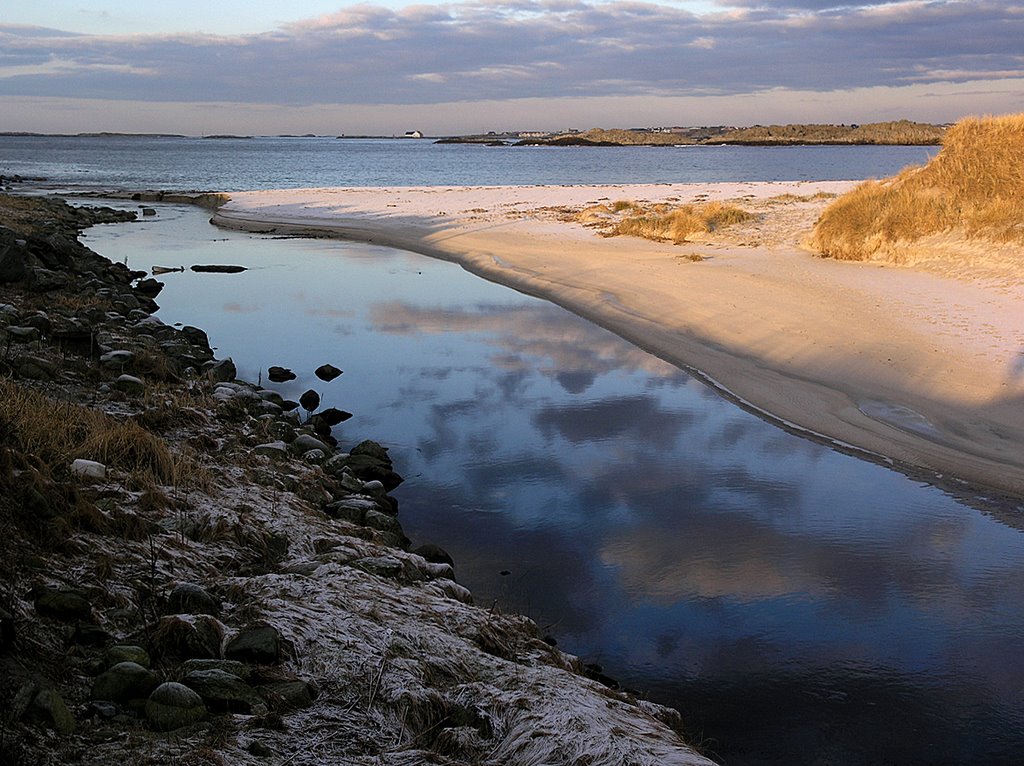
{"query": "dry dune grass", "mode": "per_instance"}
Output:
(662, 223)
(972, 190)
(59, 432)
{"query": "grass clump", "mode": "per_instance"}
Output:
(58, 432)
(973, 188)
(662, 223)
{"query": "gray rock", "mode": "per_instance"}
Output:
(50, 706)
(327, 372)
(125, 681)
(261, 750)
(88, 469)
(373, 449)
(382, 521)
(304, 443)
(189, 598)
(314, 456)
(192, 637)
(234, 667)
(435, 554)
(382, 566)
(172, 706)
(352, 509)
(117, 360)
(12, 257)
(67, 604)
(272, 449)
(35, 368)
(279, 374)
(129, 384)
(20, 334)
(45, 280)
(126, 653)
(224, 370)
(288, 694)
(224, 691)
(258, 644)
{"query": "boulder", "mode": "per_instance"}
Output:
(49, 706)
(327, 372)
(289, 694)
(126, 653)
(117, 360)
(224, 691)
(303, 443)
(309, 400)
(46, 280)
(149, 287)
(129, 384)
(189, 598)
(187, 637)
(124, 681)
(65, 604)
(257, 644)
(216, 268)
(272, 449)
(172, 706)
(223, 371)
(35, 368)
(435, 554)
(12, 257)
(88, 469)
(279, 374)
(22, 334)
(234, 667)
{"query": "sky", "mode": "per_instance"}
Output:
(258, 67)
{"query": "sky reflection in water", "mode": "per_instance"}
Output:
(792, 600)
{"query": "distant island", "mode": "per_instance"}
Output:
(900, 132)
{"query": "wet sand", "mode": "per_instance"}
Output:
(919, 368)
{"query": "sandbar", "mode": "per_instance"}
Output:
(920, 369)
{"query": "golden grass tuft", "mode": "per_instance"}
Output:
(58, 432)
(662, 223)
(974, 188)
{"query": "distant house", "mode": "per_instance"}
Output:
(413, 134)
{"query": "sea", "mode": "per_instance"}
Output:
(798, 605)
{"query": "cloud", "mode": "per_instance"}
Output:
(517, 49)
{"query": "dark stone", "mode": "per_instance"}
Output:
(49, 706)
(126, 653)
(435, 554)
(197, 638)
(149, 287)
(221, 690)
(373, 449)
(260, 750)
(172, 706)
(256, 644)
(333, 416)
(223, 371)
(289, 694)
(234, 667)
(310, 400)
(327, 372)
(189, 598)
(12, 257)
(87, 634)
(195, 336)
(47, 280)
(279, 374)
(217, 269)
(66, 605)
(125, 681)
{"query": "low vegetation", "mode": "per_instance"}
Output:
(973, 190)
(899, 132)
(662, 223)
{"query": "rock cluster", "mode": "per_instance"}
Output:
(188, 553)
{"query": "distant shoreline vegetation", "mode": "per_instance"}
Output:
(897, 133)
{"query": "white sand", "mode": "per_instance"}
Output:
(921, 368)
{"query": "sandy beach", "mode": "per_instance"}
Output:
(921, 368)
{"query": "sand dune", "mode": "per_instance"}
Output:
(921, 369)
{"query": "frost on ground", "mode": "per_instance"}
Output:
(223, 560)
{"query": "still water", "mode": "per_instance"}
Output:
(798, 605)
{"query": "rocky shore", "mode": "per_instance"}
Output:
(196, 570)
